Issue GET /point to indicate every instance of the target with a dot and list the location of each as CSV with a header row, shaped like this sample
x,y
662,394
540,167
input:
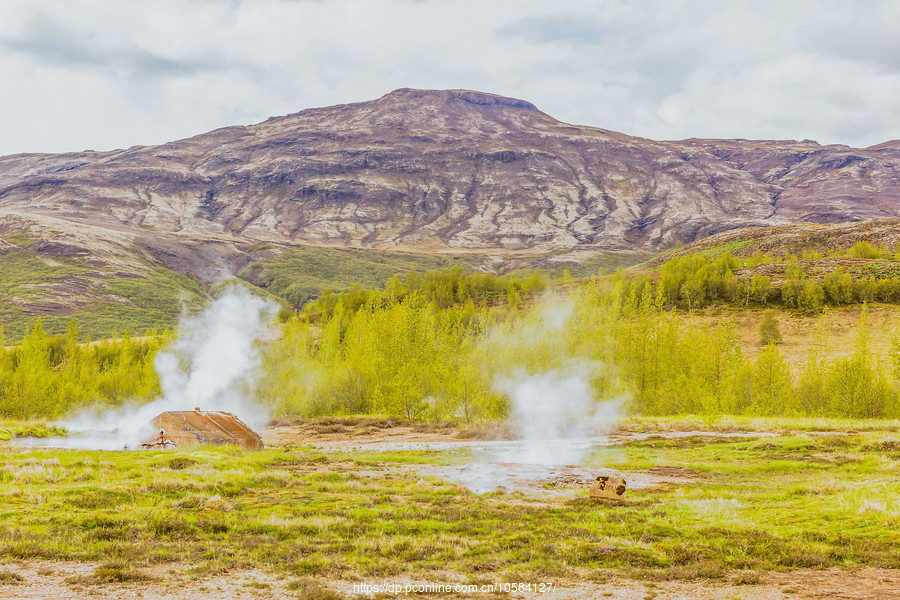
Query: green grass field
x,y
800,499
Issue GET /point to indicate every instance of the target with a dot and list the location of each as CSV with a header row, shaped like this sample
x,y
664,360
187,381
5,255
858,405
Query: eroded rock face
x,y
449,170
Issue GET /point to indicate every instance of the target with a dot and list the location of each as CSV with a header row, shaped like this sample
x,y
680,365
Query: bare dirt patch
x,y
60,581
679,472
864,584
75,581
358,435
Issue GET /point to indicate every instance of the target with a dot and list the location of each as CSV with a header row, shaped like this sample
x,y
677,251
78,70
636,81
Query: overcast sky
x,y
105,74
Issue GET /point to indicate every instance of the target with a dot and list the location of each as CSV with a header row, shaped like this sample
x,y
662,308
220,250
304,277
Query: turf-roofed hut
x,y
177,429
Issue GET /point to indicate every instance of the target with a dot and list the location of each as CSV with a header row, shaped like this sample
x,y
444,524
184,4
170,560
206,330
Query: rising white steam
x,y
213,366
214,363
554,413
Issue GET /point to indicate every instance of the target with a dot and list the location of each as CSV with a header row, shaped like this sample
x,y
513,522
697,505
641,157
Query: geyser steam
x,y
213,365
214,362
555,414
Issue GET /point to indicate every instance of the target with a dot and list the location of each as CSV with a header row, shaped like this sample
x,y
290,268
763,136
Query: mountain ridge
x,y
428,172
416,117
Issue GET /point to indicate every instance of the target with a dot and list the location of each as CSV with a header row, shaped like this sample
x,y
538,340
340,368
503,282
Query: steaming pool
x,y
550,467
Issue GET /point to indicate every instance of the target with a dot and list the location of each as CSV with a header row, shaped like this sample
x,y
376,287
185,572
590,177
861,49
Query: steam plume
x,y
213,365
551,412
554,412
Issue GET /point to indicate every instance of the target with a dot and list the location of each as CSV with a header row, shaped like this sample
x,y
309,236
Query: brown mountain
x,y
429,172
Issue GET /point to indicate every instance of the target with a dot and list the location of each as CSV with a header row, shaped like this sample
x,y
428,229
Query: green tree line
x,y
698,280
445,288
410,356
47,377
431,346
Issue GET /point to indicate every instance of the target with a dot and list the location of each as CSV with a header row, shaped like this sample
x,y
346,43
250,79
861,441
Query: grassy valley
x,y
440,343
754,460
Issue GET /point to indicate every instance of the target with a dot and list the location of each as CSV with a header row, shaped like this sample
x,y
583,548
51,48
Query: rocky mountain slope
x,y
794,239
426,172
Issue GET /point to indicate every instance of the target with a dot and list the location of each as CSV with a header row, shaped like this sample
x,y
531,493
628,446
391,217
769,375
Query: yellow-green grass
x,y
800,332
39,429
21,275
755,424
791,501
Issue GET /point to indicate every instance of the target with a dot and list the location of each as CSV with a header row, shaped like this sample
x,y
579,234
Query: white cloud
x,y
103,74
795,96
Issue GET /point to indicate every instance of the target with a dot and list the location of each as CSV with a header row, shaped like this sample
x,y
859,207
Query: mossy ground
x,y
301,273
802,499
104,303
23,279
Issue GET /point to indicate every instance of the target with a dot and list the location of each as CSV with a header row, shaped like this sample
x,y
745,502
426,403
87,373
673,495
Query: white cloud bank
x,y
103,74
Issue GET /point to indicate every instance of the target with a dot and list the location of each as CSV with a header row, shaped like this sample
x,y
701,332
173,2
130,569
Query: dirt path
x,y
71,581
407,439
